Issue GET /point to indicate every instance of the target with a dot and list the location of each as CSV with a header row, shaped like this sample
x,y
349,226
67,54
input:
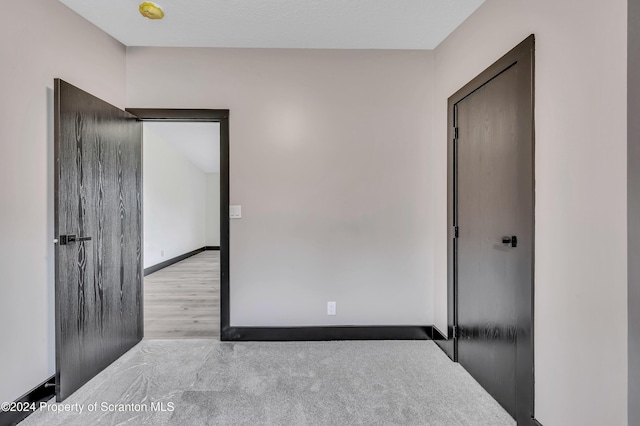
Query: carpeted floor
x,y
207,382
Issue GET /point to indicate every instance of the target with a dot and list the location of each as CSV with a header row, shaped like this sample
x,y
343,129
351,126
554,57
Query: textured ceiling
x,y
197,142
323,24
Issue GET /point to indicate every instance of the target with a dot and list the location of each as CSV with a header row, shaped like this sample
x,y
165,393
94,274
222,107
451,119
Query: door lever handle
x,y
513,240
68,239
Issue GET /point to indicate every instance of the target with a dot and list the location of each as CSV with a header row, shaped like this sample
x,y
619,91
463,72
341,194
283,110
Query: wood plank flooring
x,y
182,301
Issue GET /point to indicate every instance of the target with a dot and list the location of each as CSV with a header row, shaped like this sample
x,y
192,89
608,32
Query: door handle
x,y
513,240
68,239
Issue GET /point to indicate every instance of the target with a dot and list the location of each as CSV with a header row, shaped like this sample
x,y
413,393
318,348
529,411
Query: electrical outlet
x,y
331,308
161,253
235,212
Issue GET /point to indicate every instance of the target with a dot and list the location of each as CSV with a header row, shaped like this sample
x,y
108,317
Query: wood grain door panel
x,y
98,153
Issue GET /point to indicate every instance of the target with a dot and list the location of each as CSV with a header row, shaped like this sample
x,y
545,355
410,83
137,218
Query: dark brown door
x,y
98,224
494,163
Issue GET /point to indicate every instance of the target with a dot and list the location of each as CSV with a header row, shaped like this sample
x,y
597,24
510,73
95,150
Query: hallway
x,y
182,301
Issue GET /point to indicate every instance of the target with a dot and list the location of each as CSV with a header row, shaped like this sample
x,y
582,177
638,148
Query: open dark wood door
x,y
98,224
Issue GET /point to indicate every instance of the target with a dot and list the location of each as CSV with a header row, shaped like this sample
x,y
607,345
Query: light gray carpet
x,y
297,383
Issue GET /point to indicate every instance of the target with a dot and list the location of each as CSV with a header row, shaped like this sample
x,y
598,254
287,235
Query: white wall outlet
x,y
331,308
235,212
161,253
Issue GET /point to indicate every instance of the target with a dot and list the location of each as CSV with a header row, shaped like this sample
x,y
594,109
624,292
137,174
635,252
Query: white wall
x,y
174,201
580,270
329,162
39,40
212,209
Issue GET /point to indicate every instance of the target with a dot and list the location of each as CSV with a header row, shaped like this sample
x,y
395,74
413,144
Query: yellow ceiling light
x,y
151,10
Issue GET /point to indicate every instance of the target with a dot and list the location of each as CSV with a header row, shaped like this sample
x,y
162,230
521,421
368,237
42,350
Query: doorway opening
x,y
186,222
181,216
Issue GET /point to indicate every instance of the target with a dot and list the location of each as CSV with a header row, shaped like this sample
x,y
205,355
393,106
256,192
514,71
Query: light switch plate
x,y
235,212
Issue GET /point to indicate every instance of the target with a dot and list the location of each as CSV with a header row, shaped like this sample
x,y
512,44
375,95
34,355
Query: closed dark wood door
x,y
98,224
494,159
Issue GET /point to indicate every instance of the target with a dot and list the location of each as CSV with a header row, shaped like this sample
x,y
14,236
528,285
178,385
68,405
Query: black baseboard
x,y
156,268
291,334
436,334
443,343
212,248
447,347
41,393
534,422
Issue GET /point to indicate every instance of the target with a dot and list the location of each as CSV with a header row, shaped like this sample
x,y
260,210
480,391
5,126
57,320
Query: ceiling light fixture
x,y
151,10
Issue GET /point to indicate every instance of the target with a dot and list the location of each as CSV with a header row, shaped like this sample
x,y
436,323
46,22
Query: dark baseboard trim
x,y
534,422
156,268
447,347
41,393
212,248
437,334
293,334
444,343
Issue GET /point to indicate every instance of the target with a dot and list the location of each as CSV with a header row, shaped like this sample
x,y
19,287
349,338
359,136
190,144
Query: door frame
x,y
215,116
523,54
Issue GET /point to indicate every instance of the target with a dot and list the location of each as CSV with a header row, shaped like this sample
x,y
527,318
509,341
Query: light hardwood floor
x,y
182,301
